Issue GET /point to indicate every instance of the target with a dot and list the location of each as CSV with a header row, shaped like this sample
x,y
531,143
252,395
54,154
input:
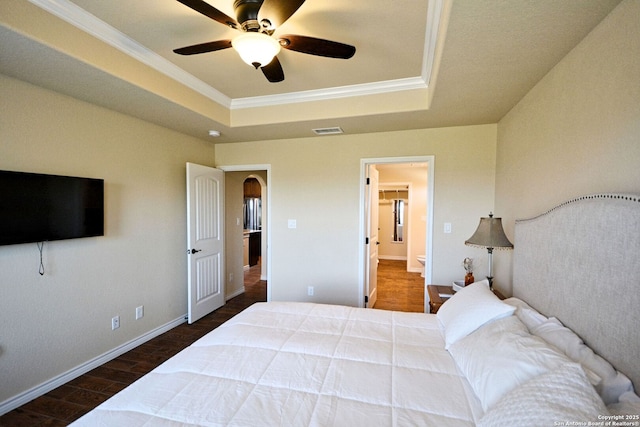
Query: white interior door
x,y
373,238
205,240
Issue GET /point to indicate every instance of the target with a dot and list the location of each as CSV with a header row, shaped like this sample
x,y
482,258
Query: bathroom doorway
x,y
403,206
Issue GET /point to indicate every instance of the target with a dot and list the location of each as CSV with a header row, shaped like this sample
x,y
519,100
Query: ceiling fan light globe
x,y
256,48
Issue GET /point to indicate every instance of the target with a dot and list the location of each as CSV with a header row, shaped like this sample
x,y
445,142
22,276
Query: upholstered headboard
x,y
580,262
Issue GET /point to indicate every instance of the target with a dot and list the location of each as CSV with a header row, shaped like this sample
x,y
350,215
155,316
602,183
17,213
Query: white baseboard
x,y
37,391
393,257
235,294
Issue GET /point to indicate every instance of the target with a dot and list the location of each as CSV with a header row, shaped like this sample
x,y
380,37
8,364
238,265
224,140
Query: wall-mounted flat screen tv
x,y
38,208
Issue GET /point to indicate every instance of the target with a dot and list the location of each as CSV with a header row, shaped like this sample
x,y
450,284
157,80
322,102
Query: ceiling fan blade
x,y
319,47
278,11
273,71
207,10
203,47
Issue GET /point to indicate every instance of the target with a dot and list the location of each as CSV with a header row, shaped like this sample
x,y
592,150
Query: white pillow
x,y
609,383
468,309
561,395
500,356
629,404
527,314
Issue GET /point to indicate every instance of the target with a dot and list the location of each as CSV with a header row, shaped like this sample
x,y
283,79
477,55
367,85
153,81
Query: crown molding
x,y
329,93
80,18
88,23
434,17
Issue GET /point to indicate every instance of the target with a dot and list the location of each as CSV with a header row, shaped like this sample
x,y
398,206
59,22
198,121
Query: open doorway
x,y
247,233
402,208
252,229
396,215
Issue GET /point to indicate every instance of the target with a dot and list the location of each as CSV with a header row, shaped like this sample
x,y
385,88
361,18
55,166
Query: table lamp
x,y
490,235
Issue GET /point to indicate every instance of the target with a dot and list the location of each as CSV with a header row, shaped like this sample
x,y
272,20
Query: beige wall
x,y
316,182
53,323
577,131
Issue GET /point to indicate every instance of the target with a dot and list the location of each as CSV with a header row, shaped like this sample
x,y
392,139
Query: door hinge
x,y
368,181
366,241
366,299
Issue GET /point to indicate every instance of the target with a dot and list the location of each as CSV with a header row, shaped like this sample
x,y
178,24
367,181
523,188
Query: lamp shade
x,y
256,49
489,234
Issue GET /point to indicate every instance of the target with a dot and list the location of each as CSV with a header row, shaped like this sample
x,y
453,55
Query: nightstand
x,y
439,294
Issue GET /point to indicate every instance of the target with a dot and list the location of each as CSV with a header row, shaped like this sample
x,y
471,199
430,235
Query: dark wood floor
x,y
397,290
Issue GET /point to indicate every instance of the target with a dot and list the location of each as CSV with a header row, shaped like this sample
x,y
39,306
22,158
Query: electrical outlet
x,y
139,312
310,291
230,277
115,323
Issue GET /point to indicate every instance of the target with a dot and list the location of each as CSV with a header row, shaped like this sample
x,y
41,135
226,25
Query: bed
x,y
541,357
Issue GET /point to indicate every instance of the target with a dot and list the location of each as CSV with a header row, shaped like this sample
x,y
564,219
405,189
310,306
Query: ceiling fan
x,y
258,20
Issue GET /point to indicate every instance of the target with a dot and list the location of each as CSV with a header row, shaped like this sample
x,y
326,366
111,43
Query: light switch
x,y
292,223
447,227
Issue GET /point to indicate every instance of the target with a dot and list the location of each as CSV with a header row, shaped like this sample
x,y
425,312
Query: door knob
x,y
193,251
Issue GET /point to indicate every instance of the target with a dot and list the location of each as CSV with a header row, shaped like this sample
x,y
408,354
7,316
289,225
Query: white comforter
x,y
303,364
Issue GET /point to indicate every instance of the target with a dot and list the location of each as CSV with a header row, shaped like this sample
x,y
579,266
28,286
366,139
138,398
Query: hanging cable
x,y
40,247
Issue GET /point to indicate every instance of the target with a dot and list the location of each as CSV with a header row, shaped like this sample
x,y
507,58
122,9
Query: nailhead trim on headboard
x,y
627,197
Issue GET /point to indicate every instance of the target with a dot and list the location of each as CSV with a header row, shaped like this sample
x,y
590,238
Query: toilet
x,y
421,261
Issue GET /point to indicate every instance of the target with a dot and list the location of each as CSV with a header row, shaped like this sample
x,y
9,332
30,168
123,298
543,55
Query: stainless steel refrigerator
x,y
252,213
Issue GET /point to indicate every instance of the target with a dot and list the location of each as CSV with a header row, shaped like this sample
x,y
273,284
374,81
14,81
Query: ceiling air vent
x,y
328,131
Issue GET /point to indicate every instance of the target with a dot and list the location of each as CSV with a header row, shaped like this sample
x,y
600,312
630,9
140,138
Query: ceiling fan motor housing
x,y
247,15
